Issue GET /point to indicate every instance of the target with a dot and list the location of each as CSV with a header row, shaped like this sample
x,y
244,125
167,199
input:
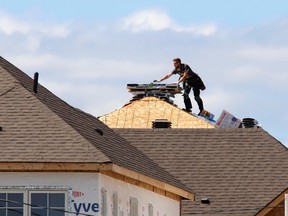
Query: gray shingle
x,y
239,170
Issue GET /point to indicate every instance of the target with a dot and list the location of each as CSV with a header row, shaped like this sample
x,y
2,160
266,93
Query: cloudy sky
x,y
87,51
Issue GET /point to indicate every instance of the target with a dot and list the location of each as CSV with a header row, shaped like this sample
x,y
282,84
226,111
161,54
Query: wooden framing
x,y
52,167
108,169
272,204
158,186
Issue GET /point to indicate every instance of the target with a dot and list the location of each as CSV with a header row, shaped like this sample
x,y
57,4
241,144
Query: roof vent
x,y
1,129
99,131
249,123
205,201
35,85
161,123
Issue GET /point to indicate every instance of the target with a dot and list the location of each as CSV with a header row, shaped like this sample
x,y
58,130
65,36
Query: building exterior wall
x,y
84,194
147,200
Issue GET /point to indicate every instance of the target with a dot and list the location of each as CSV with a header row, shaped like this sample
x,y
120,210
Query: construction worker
x,y
190,80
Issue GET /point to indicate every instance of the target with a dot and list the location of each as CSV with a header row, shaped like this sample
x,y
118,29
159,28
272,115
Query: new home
x,y
57,160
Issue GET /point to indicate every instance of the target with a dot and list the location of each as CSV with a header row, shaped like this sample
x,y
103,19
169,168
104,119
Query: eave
x,y
107,169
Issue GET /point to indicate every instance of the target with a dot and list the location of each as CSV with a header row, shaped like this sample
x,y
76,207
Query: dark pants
x,y
196,90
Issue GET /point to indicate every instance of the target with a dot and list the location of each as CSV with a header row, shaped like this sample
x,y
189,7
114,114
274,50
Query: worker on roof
x,y
190,80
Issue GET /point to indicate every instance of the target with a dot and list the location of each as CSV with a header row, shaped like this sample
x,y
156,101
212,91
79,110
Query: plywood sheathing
x,y
141,113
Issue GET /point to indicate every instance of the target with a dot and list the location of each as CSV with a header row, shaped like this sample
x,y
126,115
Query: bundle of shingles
x,y
162,91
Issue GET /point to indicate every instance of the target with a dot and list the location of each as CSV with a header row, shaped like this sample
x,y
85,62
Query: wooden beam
x,y
141,184
272,204
154,182
109,169
53,167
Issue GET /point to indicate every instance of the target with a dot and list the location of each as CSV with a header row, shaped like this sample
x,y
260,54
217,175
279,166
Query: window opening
x,y
47,204
11,204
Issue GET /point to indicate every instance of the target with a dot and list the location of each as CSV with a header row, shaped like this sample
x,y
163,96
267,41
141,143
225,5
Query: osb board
x,y
141,113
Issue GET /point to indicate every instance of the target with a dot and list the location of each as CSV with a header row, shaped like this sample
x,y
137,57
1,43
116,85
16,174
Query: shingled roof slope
x,y
240,170
43,128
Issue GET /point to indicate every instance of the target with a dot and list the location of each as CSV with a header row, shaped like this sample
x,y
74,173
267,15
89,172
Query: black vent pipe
x,y
35,86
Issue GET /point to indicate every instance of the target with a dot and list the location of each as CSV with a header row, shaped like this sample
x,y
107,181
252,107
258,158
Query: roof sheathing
x,y
141,113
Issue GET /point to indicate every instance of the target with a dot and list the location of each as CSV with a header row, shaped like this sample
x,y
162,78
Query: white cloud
x,y
265,54
38,60
84,67
10,25
155,20
266,64
147,20
31,33
242,72
201,30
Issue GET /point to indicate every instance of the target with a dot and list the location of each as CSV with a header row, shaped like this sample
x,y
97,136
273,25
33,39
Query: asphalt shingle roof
x,y
43,128
240,170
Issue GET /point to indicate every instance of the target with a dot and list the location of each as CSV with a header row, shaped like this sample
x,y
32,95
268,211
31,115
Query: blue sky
x,y
88,51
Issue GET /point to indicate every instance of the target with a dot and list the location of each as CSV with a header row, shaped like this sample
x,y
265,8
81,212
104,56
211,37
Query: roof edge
x,y
154,182
109,169
266,209
53,167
